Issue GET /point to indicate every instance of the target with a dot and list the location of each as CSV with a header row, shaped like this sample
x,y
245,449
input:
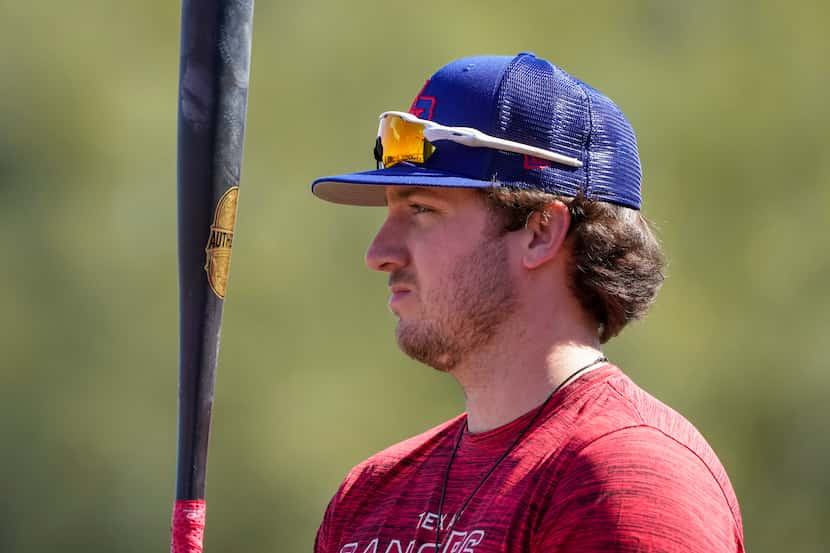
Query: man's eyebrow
x,y
407,193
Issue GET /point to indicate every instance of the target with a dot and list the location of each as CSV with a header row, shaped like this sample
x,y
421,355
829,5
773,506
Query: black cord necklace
x,y
501,458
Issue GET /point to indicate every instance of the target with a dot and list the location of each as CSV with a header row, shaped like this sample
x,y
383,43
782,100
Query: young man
x,y
515,248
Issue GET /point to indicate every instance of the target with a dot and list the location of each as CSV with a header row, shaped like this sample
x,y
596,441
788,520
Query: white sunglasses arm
x,y
477,139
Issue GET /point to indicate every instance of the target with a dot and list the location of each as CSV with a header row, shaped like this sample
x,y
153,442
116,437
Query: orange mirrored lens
x,y
403,141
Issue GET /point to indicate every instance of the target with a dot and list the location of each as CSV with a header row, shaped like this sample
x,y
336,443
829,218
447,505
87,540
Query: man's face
x,y
449,273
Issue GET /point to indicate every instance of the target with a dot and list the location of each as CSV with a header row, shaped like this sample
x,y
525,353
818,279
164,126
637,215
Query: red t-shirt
x,y
605,468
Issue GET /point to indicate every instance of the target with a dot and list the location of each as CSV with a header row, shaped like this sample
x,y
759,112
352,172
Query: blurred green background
x,y
729,100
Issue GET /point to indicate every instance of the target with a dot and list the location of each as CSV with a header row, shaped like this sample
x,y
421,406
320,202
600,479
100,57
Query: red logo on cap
x,y
423,106
531,162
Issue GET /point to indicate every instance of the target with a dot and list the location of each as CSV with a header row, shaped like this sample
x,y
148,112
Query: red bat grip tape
x,y
188,526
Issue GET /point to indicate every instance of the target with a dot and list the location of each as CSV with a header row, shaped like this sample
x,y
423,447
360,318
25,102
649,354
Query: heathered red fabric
x,y
606,468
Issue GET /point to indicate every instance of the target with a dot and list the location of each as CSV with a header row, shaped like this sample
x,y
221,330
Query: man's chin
x,y
425,345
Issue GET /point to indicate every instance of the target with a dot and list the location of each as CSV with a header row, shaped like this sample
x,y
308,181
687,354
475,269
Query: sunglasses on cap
x,y
402,137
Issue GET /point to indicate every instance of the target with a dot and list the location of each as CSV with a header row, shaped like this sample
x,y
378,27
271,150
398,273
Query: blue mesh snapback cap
x,y
524,99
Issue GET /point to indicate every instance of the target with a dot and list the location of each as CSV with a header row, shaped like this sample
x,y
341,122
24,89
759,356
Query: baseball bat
x,y
214,69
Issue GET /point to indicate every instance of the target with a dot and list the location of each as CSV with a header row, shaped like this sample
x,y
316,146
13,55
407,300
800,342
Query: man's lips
x,y
398,293
401,285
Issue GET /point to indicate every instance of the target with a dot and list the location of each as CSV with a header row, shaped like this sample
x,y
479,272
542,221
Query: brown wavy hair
x,y
618,264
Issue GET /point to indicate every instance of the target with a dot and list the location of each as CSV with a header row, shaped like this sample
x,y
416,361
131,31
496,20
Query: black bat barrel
x,y
213,89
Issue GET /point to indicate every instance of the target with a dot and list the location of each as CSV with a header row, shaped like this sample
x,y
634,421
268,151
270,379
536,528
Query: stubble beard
x,y
465,312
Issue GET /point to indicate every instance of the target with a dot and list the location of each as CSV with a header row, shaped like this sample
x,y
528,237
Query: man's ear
x,y
545,234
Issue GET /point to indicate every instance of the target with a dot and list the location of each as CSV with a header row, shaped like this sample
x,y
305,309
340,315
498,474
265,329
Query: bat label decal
x,y
218,250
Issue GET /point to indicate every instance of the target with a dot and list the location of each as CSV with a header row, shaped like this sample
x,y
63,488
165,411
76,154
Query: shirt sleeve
x,y
340,506
637,490
321,541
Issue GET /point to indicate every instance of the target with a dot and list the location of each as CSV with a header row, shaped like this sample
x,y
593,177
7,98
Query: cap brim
x,y
367,188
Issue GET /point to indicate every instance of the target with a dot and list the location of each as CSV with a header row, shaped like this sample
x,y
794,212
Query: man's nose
x,y
387,251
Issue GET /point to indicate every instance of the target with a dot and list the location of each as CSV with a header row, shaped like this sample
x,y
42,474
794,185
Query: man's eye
x,y
418,208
